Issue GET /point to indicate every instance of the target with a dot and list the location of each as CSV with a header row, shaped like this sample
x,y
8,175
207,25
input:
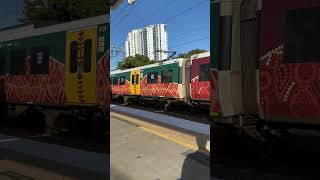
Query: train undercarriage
x,y
93,121
165,102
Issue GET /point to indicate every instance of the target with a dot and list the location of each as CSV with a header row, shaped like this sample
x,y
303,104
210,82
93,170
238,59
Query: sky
x,y
188,31
9,10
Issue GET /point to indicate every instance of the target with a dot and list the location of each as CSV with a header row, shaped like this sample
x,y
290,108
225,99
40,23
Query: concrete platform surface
x,y
170,120
60,159
137,154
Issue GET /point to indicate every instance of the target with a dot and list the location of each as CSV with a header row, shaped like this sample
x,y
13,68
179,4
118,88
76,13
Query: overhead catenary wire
x,y
191,41
186,10
136,4
181,13
170,2
171,18
127,5
182,36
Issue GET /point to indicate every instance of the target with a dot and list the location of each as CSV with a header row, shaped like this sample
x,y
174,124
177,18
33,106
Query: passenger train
x,y
63,66
182,80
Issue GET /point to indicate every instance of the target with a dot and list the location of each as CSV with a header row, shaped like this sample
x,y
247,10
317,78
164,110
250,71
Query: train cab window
x,y
132,79
87,55
137,78
302,35
17,61
40,60
2,62
122,81
204,72
166,76
73,56
152,77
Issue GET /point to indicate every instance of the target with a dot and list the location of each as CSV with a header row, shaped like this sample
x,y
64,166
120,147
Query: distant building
x,y
147,41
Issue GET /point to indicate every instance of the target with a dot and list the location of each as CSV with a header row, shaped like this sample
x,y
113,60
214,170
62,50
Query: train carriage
x,y
289,61
120,82
267,62
166,81
63,65
200,77
159,80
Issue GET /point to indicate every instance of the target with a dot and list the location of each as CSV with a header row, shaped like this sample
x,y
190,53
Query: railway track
x,y
289,157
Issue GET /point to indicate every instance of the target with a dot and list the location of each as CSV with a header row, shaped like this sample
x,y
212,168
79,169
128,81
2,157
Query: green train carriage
x,y
60,66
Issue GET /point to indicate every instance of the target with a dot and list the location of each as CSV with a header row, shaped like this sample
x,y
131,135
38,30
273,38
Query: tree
x,y
60,11
138,60
190,53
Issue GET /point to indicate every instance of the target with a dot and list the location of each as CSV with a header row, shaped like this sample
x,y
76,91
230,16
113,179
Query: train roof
x,y
23,31
149,66
200,55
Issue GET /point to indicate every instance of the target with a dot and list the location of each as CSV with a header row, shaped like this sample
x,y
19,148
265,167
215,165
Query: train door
x,y
81,66
135,82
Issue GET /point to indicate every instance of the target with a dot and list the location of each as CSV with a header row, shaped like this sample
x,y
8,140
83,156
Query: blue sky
x,y
9,10
188,31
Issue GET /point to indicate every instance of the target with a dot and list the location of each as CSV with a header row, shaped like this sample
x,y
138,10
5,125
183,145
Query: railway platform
x,y
27,159
147,145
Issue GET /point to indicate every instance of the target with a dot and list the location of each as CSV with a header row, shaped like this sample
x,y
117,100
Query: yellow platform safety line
x,y
155,129
195,148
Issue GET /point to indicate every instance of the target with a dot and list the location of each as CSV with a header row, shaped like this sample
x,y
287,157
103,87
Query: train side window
x,y
166,76
132,79
73,56
302,35
204,72
17,61
115,80
87,55
152,77
2,62
40,60
122,81
137,78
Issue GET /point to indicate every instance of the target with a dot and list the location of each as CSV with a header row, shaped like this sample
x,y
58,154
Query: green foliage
x,y
136,61
190,53
59,11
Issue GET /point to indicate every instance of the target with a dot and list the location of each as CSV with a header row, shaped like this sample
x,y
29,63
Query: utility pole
x,y
163,51
116,51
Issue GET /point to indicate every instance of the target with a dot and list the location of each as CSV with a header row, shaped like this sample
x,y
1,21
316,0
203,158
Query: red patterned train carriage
x,y
200,78
268,62
289,61
60,66
173,80
168,80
